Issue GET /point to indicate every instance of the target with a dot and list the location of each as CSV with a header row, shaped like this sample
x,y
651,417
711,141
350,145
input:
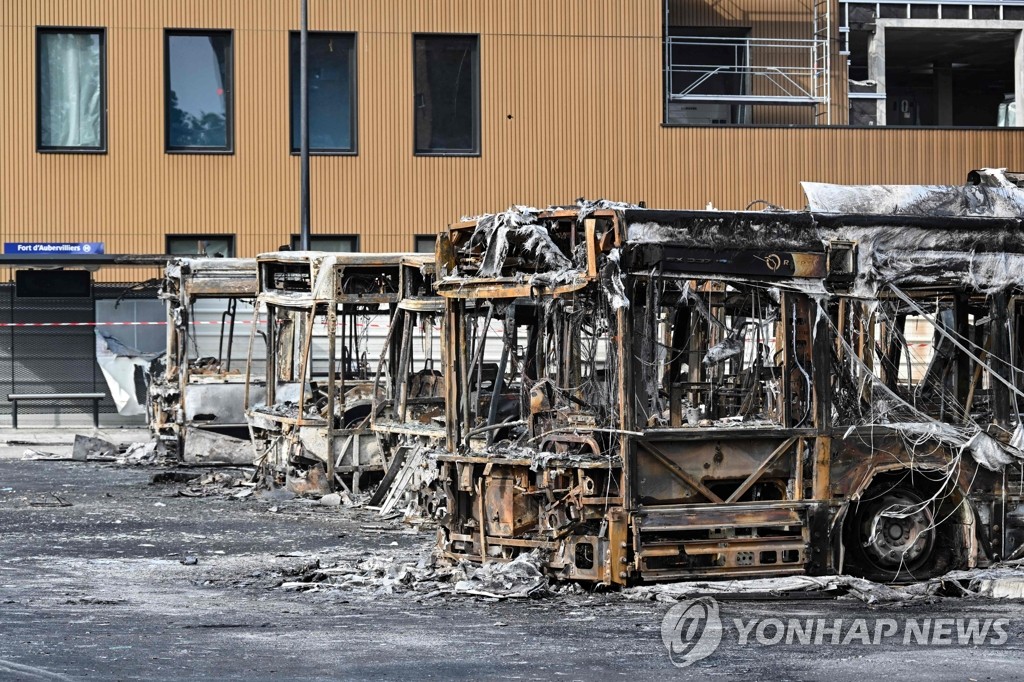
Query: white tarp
x,y
121,367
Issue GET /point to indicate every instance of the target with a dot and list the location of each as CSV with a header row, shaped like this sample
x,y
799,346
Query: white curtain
x,y
71,102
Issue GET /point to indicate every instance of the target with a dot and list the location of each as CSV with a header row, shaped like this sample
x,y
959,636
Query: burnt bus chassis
x,y
616,502
349,292
181,399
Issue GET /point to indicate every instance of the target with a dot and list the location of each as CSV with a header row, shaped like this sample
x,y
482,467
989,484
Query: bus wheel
x,y
895,533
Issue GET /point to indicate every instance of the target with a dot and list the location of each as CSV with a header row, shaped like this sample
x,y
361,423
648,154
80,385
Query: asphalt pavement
x,y
107,575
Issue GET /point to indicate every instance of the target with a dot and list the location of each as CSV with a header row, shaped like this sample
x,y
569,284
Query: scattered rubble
x,y
524,577
1000,581
57,501
88,447
42,455
234,484
426,578
93,449
138,454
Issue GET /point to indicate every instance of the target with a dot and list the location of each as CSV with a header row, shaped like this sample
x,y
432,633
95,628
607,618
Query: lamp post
x,y
304,128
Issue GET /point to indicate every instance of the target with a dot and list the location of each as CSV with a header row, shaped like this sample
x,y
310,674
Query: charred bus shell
x,y
684,394
196,400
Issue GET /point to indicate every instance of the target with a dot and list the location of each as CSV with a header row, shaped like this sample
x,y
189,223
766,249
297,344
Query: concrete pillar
x,y
876,69
1018,75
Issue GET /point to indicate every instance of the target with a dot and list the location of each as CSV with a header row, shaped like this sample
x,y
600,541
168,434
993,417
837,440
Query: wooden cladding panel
x,y
571,106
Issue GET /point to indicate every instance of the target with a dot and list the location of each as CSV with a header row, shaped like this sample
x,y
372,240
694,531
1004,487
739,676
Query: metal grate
x,y
48,359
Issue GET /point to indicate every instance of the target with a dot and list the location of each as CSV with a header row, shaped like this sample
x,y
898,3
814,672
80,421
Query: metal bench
x,y
14,398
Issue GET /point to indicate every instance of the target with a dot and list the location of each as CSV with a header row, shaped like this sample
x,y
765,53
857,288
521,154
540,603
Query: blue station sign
x,y
53,248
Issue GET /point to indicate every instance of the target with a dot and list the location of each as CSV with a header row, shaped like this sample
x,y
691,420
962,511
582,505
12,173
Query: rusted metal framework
x,y
196,400
312,430
408,408
689,394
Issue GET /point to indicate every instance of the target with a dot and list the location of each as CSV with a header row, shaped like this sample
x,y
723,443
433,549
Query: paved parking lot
x,y
93,586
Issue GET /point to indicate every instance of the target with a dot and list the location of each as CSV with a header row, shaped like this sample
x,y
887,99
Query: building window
x,y
198,89
941,72
921,64
211,245
340,243
424,243
447,94
71,89
332,92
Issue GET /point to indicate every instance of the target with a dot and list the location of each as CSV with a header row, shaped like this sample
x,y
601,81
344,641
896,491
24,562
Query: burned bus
x,y
195,401
324,316
684,394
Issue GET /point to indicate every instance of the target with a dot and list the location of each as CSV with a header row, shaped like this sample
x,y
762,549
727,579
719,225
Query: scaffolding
x,y
746,71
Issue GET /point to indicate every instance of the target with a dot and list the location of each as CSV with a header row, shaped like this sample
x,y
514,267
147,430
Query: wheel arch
x,y
925,478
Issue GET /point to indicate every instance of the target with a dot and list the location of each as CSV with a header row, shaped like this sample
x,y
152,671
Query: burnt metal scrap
x,y
190,392
640,395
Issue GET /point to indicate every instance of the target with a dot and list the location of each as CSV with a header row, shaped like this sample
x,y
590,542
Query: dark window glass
x,y
52,283
71,97
447,97
341,243
213,245
424,243
198,91
331,92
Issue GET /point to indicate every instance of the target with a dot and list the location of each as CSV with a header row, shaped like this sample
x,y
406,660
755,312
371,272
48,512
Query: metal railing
x,y
760,71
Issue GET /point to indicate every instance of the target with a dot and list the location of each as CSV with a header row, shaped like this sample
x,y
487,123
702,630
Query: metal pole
x,y
304,129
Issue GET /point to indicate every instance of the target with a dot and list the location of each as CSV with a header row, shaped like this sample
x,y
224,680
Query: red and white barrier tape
x,y
79,324
146,324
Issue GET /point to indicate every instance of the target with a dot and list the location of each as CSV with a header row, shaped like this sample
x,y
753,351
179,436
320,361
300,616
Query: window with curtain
x,y
332,92
446,78
70,96
198,87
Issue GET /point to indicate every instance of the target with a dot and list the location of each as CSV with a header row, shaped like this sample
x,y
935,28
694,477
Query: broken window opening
x,y
705,63
535,368
711,352
927,64
903,360
763,73
213,246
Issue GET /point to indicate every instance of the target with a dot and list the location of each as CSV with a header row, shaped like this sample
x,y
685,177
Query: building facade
x,y
169,126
